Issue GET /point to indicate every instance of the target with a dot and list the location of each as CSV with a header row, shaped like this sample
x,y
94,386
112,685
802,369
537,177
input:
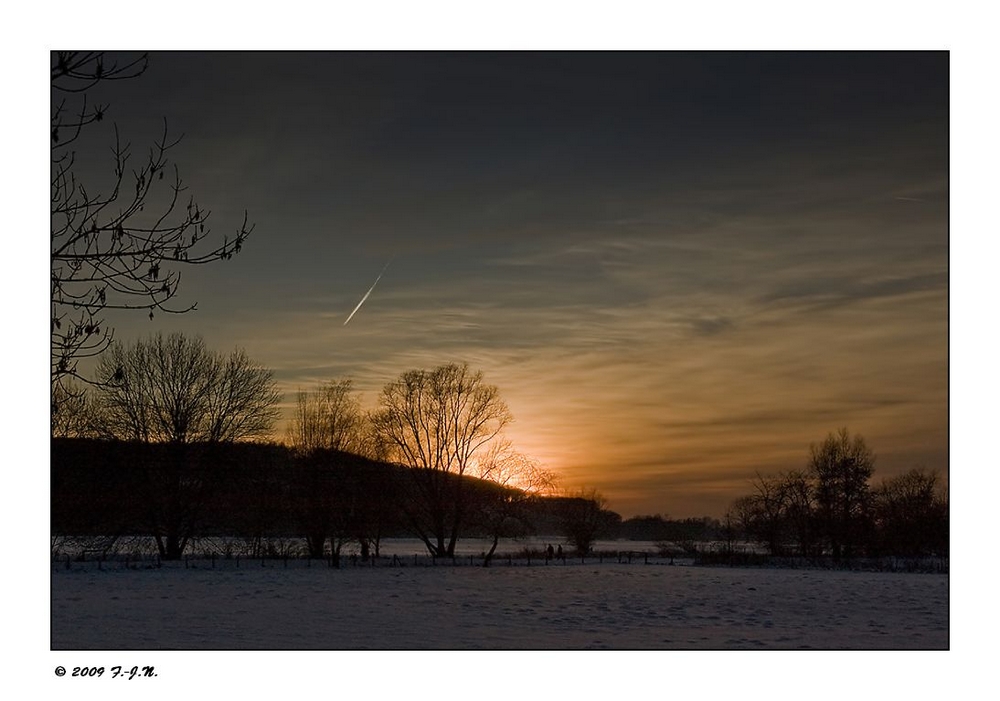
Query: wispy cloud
x,y
665,314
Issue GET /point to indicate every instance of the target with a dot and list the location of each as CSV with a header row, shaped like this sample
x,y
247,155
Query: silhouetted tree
x,y
503,511
329,423
780,512
329,417
257,500
911,514
741,515
79,414
327,496
377,505
314,485
769,503
434,422
172,391
117,245
585,519
841,467
341,498
731,530
800,510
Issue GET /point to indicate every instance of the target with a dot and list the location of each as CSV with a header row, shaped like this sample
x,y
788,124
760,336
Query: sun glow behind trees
x,y
664,323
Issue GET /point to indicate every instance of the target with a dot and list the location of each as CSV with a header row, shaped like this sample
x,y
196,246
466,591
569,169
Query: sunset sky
x,y
680,269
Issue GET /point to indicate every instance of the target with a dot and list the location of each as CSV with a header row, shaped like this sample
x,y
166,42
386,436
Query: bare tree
x,y
329,417
732,526
344,498
781,512
768,503
841,467
516,480
172,389
118,246
435,422
172,392
79,414
911,514
799,492
741,515
584,519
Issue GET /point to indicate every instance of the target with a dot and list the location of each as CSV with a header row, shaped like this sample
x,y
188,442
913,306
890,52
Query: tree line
x,y
176,413
185,432
256,494
833,508
174,441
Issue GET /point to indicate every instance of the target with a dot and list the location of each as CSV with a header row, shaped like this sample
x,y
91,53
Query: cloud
x,y
664,315
820,294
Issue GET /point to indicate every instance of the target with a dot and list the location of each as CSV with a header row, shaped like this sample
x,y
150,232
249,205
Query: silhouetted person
x,y
559,553
549,552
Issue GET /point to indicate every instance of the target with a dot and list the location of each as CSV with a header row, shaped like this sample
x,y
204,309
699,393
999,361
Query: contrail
x,y
367,293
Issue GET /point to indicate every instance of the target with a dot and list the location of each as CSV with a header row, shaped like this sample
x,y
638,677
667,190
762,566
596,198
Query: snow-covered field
x,y
558,606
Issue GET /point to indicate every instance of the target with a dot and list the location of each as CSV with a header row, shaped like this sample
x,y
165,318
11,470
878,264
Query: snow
x,y
542,607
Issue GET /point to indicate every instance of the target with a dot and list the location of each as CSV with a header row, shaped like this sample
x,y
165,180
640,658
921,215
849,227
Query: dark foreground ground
x,y
609,605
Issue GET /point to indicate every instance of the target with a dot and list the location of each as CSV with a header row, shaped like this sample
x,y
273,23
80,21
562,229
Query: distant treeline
x,y
663,529
833,508
327,499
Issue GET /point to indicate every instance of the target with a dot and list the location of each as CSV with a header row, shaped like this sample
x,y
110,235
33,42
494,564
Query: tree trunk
x,y
314,543
493,549
174,547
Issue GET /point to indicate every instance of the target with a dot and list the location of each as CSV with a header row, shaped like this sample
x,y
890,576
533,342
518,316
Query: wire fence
x,y
226,553
83,562
139,561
